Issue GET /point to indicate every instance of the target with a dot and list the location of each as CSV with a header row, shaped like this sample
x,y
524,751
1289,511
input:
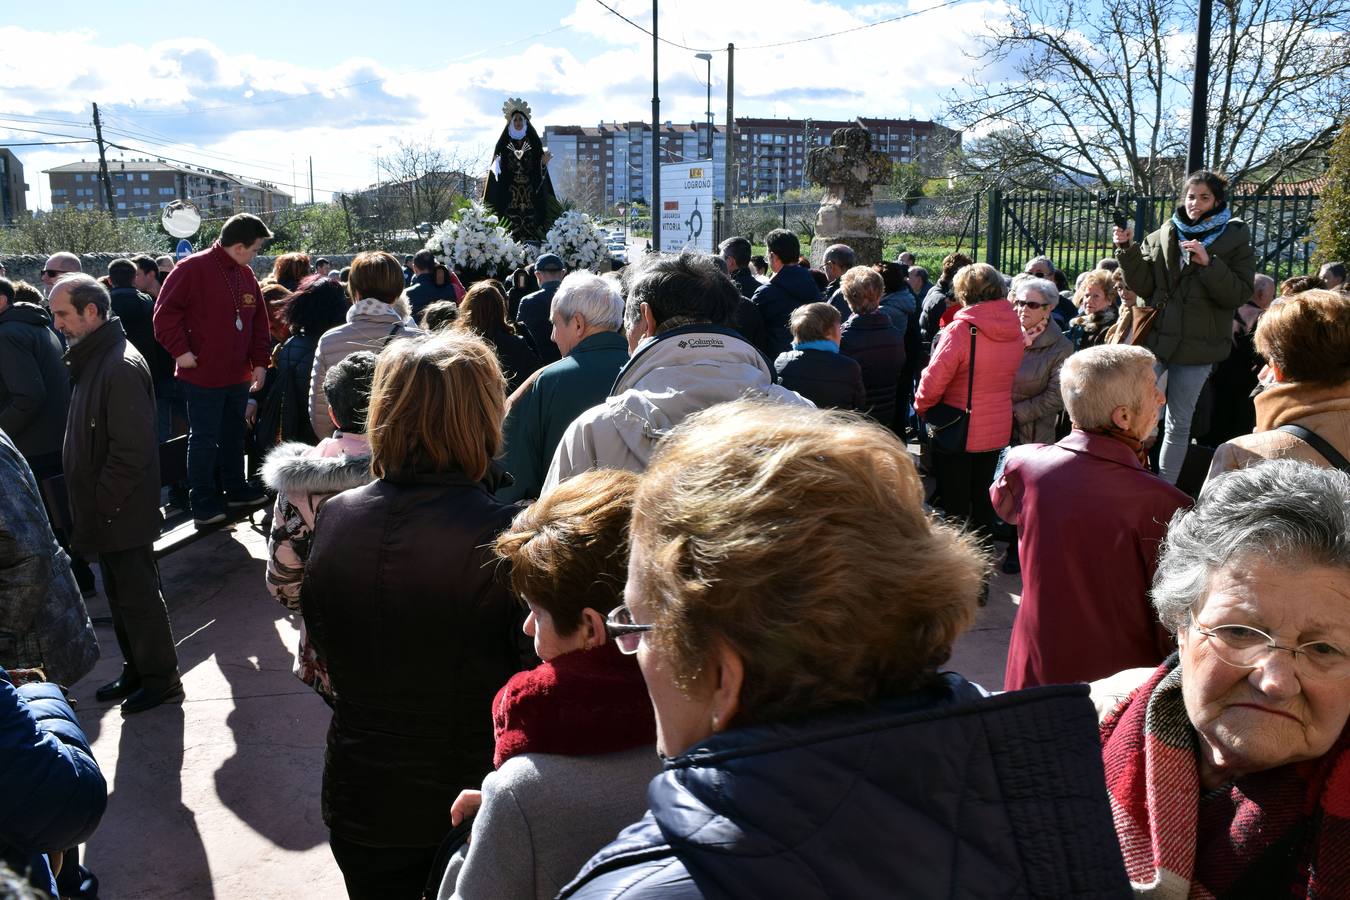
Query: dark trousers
x,y
215,441
49,466
963,481
168,404
140,618
382,873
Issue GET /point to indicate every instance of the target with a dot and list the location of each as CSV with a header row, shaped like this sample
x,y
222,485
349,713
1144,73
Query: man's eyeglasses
x,y
621,628
1029,304
1244,647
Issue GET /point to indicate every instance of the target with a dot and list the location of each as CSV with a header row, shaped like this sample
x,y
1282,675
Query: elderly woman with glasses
x,y
574,735
1229,768
813,747
1036,398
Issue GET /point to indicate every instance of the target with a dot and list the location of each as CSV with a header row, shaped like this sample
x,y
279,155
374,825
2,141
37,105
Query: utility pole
x,y
729,151
656,140
311,179
1195,159
103,164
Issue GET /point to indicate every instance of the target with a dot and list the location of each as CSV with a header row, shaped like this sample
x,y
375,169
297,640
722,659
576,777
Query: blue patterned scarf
x,y
1207,230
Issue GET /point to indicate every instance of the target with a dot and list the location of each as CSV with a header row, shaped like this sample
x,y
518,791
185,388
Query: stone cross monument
x,y
848,169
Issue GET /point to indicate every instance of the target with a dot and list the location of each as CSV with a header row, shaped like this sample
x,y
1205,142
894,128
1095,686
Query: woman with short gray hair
x,y
1229,768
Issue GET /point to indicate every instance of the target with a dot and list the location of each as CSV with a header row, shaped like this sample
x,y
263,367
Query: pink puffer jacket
x,y
998,353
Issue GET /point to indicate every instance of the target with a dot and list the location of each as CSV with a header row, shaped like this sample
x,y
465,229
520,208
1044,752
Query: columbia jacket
x,y
669,378
940,793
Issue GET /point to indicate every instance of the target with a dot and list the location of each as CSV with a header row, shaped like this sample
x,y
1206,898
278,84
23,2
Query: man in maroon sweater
x,y
1090,519
210,317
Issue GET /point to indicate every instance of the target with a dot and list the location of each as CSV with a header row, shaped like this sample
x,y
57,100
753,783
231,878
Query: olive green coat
x,y
1195,326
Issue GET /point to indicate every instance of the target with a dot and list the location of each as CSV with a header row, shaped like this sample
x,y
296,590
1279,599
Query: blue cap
x,y
549,262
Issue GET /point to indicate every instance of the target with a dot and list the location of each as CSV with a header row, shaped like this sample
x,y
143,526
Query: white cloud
x,y
261,111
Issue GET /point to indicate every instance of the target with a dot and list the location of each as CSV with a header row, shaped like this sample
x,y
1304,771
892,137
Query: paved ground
x,y
220,797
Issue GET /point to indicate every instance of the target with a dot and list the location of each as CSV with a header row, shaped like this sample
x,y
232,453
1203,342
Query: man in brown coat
x,y
111,463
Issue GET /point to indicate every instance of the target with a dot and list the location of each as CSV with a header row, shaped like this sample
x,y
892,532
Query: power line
x,y
45,143
817,37
197,165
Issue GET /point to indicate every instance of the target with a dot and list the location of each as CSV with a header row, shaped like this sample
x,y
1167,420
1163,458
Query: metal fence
x,y
1074,229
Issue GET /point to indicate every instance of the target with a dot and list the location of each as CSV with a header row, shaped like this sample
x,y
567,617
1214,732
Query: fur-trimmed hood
x,y
296,468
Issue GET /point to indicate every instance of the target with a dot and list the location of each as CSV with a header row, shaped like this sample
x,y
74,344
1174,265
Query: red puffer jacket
x,y
998,353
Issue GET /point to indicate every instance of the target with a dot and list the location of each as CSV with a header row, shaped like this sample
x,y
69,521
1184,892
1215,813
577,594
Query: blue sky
x,y
262,87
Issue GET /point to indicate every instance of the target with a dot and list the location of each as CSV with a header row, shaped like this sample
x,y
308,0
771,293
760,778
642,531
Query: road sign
x,y
687,206
184,249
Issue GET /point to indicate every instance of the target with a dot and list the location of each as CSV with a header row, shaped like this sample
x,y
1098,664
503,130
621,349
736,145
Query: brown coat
x,y
1321,408
111,453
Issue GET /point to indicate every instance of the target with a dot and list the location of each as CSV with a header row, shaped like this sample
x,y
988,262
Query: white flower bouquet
x,y
477,245
575,238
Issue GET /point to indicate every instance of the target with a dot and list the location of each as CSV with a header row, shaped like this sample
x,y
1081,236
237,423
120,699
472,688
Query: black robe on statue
x,y
520,192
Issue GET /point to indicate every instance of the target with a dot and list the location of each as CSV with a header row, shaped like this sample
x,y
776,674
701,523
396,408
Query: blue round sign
x,y
184,249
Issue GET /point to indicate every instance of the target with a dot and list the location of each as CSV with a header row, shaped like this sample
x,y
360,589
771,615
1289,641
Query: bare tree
x,y
422,181
1100,94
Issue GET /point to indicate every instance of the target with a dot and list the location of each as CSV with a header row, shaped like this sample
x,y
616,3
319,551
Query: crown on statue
x,y
515,105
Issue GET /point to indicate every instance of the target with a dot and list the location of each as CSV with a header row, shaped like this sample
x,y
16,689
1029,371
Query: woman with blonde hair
x,y
1096,298
483,312
791,605
404,601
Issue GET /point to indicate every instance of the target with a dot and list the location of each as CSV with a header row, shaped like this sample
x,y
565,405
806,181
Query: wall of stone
x,y
29,268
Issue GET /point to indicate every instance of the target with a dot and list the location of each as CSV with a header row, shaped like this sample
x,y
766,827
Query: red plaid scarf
x,y
1284,832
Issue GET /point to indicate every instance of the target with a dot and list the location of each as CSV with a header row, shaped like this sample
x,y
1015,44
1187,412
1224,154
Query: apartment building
x,y
142,187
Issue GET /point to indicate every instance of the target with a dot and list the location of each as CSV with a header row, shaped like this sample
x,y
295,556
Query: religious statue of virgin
x,y
518,188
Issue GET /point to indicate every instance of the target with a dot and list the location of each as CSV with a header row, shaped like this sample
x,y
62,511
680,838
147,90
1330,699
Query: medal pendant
x,y
238,323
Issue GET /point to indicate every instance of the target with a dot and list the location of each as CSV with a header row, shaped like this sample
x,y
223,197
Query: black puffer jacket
x,y
829,380
942,793
34,383
879,348
283,413
136,310
423,291
406,604
930,318
792,287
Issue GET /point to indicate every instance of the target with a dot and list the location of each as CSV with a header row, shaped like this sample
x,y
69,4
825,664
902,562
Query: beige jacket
x,y
1321,408
370,325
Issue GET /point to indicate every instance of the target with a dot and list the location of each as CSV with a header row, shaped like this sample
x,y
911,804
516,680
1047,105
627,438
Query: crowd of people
x,y
661,569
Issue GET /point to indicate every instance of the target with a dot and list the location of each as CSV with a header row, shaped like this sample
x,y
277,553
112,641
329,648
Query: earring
x,y
714,723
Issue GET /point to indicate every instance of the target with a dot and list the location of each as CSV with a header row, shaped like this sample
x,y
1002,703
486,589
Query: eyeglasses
x,y
1244,647
52,273
619,625
1027,304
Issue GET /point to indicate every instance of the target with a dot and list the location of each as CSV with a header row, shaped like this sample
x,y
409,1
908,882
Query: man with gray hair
x,y
588,321
839,258
111,464
1085,614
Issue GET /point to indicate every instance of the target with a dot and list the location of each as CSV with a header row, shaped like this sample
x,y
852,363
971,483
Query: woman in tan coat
x,y
1305,340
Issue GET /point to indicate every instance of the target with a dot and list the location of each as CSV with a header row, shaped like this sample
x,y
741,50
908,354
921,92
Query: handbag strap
x,y
1318,443
970,384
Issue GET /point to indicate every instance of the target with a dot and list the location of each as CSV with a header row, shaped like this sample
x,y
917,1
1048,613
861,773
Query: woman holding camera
x,y
1195,271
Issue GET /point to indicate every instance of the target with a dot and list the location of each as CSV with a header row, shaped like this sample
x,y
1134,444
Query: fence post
x,y
994,236
1140,222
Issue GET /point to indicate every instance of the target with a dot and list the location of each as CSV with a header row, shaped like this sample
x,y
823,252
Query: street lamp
x,y
707,57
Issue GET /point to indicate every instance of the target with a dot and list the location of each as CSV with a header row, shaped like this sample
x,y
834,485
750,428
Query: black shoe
x,y
208,517
1011,564
124,686
149,698
249,497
